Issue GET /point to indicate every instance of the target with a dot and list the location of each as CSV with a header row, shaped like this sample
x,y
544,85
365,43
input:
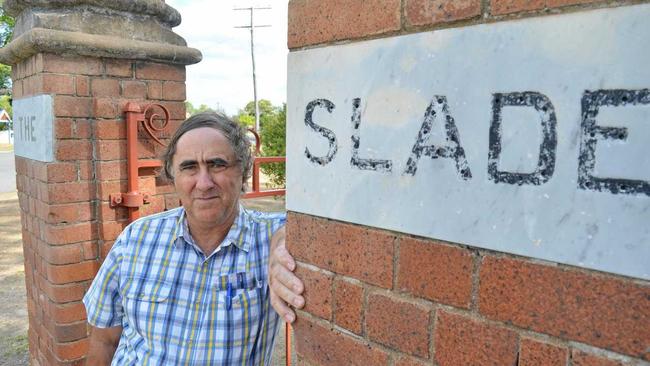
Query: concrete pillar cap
x,y
156,8
122,29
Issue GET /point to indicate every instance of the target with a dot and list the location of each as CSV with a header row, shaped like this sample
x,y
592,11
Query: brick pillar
x,y
381,295
91,59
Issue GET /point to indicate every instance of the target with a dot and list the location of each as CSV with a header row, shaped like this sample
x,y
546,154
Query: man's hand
x,y
103,343
286,288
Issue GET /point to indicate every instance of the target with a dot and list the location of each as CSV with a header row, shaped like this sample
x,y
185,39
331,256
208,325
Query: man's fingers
x,y
283,287
282,309
281,297
282,256
280,275
286,258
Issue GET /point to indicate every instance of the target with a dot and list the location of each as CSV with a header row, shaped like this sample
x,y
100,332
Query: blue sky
x,y
224,78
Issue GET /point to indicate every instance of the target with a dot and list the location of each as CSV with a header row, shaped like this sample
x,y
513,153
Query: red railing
x,y
259,160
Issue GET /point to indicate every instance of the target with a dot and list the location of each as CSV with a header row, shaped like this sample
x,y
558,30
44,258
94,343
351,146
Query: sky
x,y
223,79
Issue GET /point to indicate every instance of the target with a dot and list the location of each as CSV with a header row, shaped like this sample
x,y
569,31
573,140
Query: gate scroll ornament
x,y
135,115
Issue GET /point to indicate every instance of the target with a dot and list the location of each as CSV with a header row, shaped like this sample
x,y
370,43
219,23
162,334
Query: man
x,y
189,286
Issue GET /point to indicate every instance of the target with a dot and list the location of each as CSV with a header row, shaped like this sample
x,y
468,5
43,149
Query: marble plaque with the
x,y
33,128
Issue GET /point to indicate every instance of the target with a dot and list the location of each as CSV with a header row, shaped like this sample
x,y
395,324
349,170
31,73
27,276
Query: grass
x,y
16,346
4,147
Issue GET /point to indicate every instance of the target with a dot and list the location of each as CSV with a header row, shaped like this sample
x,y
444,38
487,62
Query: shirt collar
x,y
236,235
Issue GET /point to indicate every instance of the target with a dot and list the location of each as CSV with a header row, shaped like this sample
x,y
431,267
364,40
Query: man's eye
x,y
218,164
185,168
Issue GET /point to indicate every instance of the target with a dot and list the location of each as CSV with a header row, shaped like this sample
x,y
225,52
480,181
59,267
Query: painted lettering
x,y
453,149
356,161
327,133
591,133
547,149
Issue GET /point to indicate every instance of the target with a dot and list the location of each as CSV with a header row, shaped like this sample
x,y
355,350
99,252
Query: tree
x,y
268,111
273,135
191,110
7,24
272,132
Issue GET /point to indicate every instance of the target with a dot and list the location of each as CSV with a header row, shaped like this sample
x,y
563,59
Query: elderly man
x,y
189,286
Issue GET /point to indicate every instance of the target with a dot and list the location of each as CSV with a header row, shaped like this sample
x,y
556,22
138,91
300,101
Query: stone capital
x,y
126,29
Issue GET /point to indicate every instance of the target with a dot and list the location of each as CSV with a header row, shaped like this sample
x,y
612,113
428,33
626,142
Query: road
x,y
7,172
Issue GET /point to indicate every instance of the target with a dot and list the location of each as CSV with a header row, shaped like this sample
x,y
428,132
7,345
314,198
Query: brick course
x,y
322,345
431,12
435,271
461,341
536,353
318,297
362,253
398,324
314,21
348,304
599,310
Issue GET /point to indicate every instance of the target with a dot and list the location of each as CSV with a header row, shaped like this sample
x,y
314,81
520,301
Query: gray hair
x,y
232,131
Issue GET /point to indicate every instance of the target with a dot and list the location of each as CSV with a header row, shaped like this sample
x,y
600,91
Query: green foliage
x,y
268,112
265,107
245,120
5,77
191,110
273,135
7,24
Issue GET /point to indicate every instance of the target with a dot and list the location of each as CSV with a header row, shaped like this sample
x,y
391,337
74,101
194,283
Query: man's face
x,y
207,177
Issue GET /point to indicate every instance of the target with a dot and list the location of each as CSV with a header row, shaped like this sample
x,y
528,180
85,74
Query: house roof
x,y
4,116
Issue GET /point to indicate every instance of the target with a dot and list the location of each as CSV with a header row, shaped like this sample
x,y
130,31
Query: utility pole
x,y
252,27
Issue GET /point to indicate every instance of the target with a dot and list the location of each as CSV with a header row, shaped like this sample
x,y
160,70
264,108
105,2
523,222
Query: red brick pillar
x,y
84,63
381,295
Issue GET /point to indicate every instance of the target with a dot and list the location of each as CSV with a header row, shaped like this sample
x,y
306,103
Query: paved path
x,y
13,307
7,172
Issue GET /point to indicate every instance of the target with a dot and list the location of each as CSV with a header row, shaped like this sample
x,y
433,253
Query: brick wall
x,y
376,297
68,225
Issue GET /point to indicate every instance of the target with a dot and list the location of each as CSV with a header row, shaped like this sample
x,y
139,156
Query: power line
x,y
252,27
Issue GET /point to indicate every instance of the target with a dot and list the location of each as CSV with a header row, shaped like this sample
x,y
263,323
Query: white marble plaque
x,y
530,137
33,128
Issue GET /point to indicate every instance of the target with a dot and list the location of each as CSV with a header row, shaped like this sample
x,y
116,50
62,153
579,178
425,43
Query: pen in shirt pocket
x,y
237,281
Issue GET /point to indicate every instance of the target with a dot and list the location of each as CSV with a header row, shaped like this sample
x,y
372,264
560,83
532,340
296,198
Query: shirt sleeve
x,y
103,300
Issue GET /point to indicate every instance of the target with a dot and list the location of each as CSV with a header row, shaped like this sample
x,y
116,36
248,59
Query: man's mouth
x,y
206,198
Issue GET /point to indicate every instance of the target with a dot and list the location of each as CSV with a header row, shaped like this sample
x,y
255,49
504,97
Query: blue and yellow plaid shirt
x,y
179,307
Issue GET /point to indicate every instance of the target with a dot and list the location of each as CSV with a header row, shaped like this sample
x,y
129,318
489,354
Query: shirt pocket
x,y
242,321
245,290
144,298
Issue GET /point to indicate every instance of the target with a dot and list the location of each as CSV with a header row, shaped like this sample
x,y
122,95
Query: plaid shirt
x,y
178,307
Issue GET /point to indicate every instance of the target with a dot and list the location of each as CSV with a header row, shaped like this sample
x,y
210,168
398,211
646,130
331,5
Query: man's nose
x,y
204,180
